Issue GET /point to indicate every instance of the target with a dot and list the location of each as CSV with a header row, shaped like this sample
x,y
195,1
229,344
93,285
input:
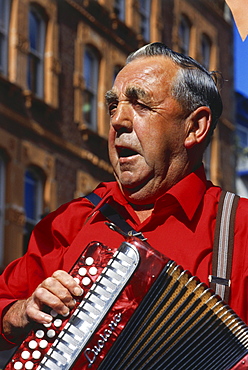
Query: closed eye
x,y
141,105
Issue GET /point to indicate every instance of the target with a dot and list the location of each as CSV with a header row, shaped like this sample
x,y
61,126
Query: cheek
x,y
111,146
153,140
111,138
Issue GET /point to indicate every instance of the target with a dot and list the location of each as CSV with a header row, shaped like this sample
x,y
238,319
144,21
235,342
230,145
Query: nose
x,y
122,119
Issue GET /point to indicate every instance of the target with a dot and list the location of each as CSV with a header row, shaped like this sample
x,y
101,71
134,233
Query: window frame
x,y
184,37
35,80
119,9
38,194
91,83
4,33
31,222
145,10
205,39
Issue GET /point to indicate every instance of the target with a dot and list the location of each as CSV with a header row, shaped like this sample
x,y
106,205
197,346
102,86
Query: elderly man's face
x,y
147,130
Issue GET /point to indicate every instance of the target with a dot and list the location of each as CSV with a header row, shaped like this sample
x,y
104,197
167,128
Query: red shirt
x,y
181,227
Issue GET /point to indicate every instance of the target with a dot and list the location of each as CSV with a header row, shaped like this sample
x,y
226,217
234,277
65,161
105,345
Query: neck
x,y
143,211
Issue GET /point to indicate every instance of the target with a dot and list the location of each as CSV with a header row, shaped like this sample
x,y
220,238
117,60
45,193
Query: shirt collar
x,y
188,192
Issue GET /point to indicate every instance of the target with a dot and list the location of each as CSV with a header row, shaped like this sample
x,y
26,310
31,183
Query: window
x,y
205,51
119,9
35,75
33,201
2,207
91,72
184,35
4,30
145,18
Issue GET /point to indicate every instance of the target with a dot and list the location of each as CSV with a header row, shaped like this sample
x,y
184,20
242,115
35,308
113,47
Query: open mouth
x,y
126,152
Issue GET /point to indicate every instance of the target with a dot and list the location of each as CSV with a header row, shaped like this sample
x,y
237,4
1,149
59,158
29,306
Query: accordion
x,y
139,310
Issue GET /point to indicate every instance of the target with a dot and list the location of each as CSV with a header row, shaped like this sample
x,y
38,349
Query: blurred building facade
x,y
57,60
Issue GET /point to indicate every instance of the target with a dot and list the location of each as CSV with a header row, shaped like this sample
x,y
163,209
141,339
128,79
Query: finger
x,y
53,294
67,281
34,313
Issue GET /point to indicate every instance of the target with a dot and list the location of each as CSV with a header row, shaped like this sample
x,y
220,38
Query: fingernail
x,y
78,291
66,313
47,318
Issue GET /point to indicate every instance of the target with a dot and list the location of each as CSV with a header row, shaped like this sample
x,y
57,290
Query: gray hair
x,y
194,86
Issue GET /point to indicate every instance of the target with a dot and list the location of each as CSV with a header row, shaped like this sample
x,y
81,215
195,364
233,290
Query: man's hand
x,y
56,292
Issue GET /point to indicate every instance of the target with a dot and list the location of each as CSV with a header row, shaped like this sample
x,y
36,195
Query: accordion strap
x,y
220,280
114,217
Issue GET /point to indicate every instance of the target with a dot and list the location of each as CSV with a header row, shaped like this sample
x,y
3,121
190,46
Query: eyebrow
x,y
132,93
110,96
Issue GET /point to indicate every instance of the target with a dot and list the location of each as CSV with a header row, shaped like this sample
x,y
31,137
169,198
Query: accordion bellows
x,y
140,311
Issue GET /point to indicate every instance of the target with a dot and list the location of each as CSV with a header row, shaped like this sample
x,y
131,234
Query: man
x,y
163,109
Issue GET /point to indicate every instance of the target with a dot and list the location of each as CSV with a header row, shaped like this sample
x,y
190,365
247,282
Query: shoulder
x,y
242,212
69,218
243,205
79,206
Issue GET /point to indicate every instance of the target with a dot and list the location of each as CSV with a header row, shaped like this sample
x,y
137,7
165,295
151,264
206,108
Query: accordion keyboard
x,y
56,346
91,310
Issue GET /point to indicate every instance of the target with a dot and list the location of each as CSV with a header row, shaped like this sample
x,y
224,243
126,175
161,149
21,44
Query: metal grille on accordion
x,y
139,310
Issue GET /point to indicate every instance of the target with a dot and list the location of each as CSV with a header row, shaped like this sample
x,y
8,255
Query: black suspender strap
x,y
220,280
113,216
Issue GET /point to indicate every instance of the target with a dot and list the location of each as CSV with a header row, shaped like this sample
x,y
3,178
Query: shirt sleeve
x,y
48,243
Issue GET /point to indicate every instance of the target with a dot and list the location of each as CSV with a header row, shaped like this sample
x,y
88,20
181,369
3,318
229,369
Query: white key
x,y
29,365
18,365
118,266
32,344
70,341
64,349
36,355
77,280
123,257
97,301
51,333
39,334
89,261
86,281
102,292
57,323
85,317
76,332
58,357
48,325
49,364
92,310
43,343
25,355
53,313
93,271
82,271
108,284
113,275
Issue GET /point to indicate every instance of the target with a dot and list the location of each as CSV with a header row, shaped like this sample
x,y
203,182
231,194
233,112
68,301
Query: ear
x,y
197,126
